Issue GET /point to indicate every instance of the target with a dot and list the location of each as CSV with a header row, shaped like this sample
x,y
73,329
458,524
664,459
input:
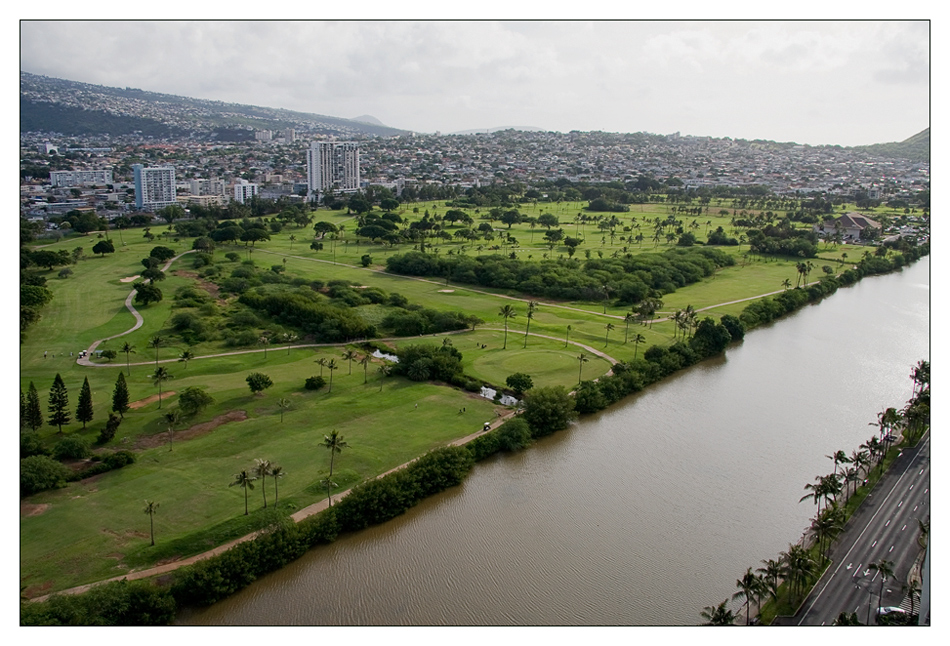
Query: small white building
x,y
244,191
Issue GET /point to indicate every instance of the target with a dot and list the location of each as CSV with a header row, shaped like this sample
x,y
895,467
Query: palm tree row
x,y
260,471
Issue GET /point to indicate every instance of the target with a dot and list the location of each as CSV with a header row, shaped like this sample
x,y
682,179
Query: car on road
x,y
889,610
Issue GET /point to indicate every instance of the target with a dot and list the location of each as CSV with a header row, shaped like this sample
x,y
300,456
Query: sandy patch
x,y
27,509
148,400
129,279
160,439
446,291
37,590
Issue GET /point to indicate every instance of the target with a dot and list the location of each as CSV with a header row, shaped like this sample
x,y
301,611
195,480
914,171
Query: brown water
x,y
641,515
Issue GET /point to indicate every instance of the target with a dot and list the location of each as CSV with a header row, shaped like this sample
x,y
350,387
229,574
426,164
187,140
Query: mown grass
x,y
95,529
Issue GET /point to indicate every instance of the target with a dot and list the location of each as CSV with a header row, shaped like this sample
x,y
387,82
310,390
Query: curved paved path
x,y
139,321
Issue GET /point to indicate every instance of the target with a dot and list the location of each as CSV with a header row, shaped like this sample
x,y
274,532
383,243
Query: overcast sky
x,y
847,83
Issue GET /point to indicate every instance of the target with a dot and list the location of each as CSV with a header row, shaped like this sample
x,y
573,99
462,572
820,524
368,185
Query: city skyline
x,y
832,82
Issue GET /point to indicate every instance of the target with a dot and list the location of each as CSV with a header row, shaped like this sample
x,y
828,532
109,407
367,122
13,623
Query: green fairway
x,y
96,528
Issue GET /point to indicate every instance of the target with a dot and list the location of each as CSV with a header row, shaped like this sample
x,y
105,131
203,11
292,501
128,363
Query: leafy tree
x,y
335,444
41,472
520,383
120,396
245,480
160,376
162,253
103,247
315,383
192,400
84,409
147,293
109,355
111,427
58,405
72,447
31,444
506,312
151,508
548,409
258,382
33,414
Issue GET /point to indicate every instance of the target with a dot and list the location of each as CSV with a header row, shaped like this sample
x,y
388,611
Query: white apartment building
x,y
333,165
65,178
154,187
244,191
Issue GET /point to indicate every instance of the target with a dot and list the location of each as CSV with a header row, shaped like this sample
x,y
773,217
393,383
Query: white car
x,y
889,610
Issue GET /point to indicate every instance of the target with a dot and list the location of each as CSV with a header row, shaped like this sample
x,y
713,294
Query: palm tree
x,y
628,319
507,312
913,590
825,525
771,573
851,474
750,588
838,457
261,471
243,479
920,373
322,362
581,360
128,349
276,472
161,376
637,340
292,239
331,366
156,342
349,355
185,357
289,337
798,567
568,335
532,306
365,361
786,284
334,442
886,570
283,404
264,341
608,327
150,509
383,371
172,417
718,615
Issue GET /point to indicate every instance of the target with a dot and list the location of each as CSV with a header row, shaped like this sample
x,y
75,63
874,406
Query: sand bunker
x,y
446,291
129,279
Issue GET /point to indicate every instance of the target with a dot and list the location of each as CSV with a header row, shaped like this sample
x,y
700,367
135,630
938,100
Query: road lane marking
x,y
921,472
874,543
887,523
890,550
915,507
904,527
900,503
912,486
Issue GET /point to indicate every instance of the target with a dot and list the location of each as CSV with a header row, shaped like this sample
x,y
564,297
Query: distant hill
x,y
57,105
916,148
369,119
479,131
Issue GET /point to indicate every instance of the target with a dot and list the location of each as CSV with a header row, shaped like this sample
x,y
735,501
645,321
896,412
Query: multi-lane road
x,y
885,528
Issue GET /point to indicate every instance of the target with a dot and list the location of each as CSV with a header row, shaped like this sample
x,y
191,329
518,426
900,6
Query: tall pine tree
x,y
58,404
120,396
34,414
84,409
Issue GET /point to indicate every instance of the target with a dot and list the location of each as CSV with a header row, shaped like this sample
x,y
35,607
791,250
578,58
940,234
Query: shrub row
x,y
120,603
